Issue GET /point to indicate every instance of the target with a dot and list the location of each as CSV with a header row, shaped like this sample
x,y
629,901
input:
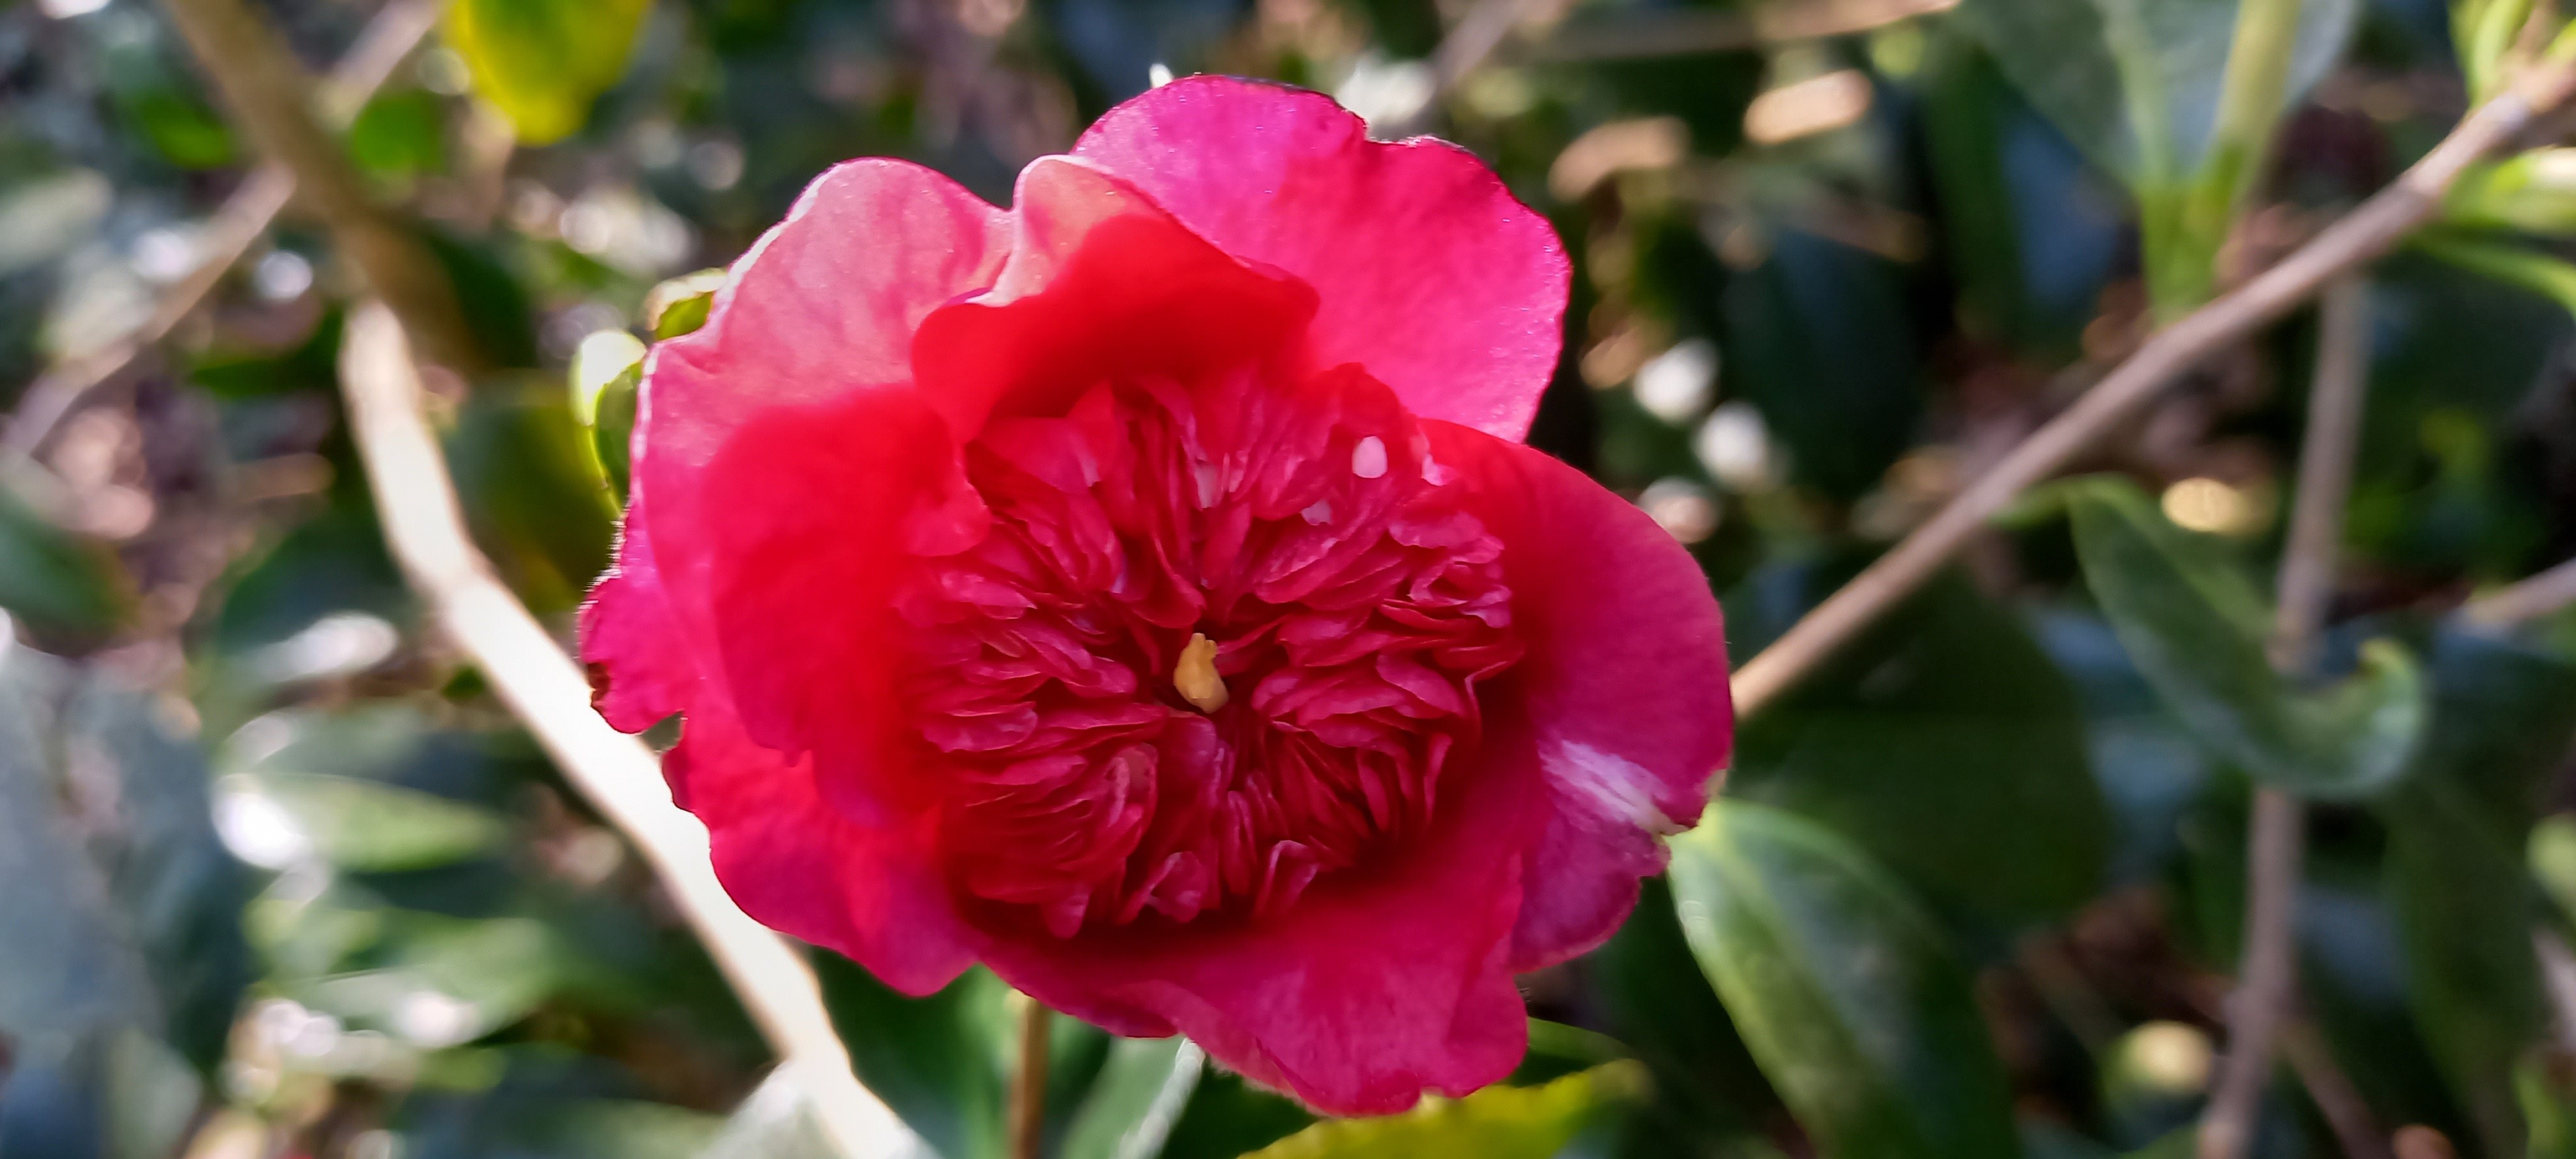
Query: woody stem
x,y
1029,1081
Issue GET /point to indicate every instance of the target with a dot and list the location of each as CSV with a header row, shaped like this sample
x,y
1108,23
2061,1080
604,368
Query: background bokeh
x,y
279,876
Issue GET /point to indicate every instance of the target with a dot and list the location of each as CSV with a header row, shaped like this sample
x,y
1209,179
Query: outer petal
x,y
793,862
800,865
1624,685
827,300
1429,273
1371,988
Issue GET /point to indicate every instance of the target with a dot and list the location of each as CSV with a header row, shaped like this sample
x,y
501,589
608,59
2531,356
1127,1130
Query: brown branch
x,y
1029,1082
425,530
2346,1113
229,234
2536,598
264,86
2369,231
2267,983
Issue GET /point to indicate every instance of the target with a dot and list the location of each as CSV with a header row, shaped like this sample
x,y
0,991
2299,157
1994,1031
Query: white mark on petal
x,y
1608,785
1368,460
1319,514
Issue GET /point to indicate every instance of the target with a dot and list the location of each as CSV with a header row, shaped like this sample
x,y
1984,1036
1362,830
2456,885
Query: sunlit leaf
x,y
679,306
940,1062
1494,1123
354,824
1843,988
542,62
2195,625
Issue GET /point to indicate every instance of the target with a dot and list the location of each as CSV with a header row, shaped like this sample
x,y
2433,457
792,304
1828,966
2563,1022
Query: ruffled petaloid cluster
x,y
1144,591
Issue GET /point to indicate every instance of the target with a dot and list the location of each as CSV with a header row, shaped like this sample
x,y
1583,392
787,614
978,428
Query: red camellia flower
x,y
1145,591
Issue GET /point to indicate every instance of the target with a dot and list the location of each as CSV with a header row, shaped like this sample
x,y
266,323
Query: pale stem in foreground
x,y
424,528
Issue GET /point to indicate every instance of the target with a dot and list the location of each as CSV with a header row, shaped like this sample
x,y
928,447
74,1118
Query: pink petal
x,y
1430,274
1377,984
794,863
827,300
1101,282
800,865
1624,685
817,513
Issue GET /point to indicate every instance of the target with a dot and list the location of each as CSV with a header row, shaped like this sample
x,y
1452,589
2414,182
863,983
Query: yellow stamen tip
x,y
1195,676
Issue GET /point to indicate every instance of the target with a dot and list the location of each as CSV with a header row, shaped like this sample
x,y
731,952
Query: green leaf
x,y
356,825
1843,988
53,580
542,62
2534,192
607,373
1494,1123
2135,83
1946,743
2195,626
2458,877
680,306
2544,1084
941,1062
2547,275
1139,1095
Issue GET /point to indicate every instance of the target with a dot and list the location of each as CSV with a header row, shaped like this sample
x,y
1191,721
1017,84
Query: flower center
x,y
1219,643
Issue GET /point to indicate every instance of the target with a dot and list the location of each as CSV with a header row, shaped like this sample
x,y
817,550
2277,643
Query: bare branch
x,y
229,234
2539,597
264,86
2369,231
424,528
2267,984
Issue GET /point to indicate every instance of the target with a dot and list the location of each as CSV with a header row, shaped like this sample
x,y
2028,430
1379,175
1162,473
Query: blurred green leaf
x,y
2521,266
1228,1117
941,1062
542,62
1946,743
1842,987
2195,625
357,825
2544,1085
2135,83
2534,191
2459,827
400,135
1139,1095
55,581
1495,1123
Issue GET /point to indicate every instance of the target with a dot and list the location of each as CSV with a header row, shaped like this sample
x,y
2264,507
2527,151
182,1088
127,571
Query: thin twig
x,y
424,528
2347,1114
2558,981
2267,983
2367,232
227,235
2539,597
264,85
1029,1082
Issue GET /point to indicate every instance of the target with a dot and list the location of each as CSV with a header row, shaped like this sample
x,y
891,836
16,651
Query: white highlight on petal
x,y
1319,514
1368,460
1608,785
